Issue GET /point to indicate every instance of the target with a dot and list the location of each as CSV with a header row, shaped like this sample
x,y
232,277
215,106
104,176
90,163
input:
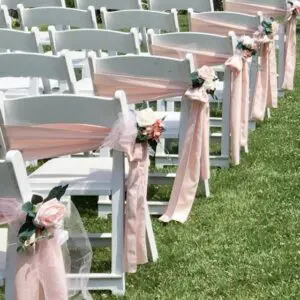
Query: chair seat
x,y
85,175
19,87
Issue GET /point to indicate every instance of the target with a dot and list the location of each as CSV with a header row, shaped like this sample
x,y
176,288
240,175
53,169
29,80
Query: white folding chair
x,y
36,66
206,43
251,22
93,39
280,40
142,19
5,20
85,176
12,4
203,5
154,67
109,4
61,17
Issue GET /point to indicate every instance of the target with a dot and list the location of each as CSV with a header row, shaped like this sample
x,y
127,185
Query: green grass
x,y
241,244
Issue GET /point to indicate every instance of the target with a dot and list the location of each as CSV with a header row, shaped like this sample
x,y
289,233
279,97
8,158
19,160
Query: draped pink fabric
x,y
205,23
137,89
290,43
201,58
137,184
290,53
40,274
194,157
265,94
251,8
239,108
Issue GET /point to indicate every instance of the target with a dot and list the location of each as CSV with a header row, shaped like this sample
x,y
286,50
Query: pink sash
x,y
290,44
240,93
239,108
204,23
201,58
192,164
252,9
265,94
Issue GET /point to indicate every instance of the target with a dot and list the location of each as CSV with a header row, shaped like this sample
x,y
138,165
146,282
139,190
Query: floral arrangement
x,y
247,46
208,84
149,128
295,7
42,216
268,27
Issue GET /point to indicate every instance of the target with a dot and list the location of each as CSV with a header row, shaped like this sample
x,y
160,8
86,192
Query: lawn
x,y
242,243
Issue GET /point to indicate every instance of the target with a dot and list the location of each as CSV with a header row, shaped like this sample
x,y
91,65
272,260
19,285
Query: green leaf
x,y
197,82
26,231
21,249
27,207
31,214
36,199
56,193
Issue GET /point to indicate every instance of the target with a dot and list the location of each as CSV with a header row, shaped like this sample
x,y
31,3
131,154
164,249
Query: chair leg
x,y
206,188
151,243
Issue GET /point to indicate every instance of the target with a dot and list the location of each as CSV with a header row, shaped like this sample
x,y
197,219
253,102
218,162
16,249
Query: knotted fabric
x,y
290,42
194,157
239,107
266,93
41,274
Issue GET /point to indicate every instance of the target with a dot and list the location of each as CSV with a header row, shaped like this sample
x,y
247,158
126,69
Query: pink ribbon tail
x,y
239,107
265,94
290,54
194,159
136,200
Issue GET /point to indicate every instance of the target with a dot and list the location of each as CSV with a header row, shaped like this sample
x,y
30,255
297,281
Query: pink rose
x,y
297,7
50,214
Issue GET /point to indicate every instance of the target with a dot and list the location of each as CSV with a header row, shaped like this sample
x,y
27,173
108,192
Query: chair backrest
x,y
143,66
57,16
117,20
197,5
64,109
196,41
5,20
39,66
12,4
94,39
109,4
16,40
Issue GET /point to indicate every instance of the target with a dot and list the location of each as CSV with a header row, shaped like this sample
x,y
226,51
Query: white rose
x,y
247,41
145,117
209,85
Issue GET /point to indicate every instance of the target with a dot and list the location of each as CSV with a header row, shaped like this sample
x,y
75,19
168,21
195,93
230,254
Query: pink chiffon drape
x,y
39,274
